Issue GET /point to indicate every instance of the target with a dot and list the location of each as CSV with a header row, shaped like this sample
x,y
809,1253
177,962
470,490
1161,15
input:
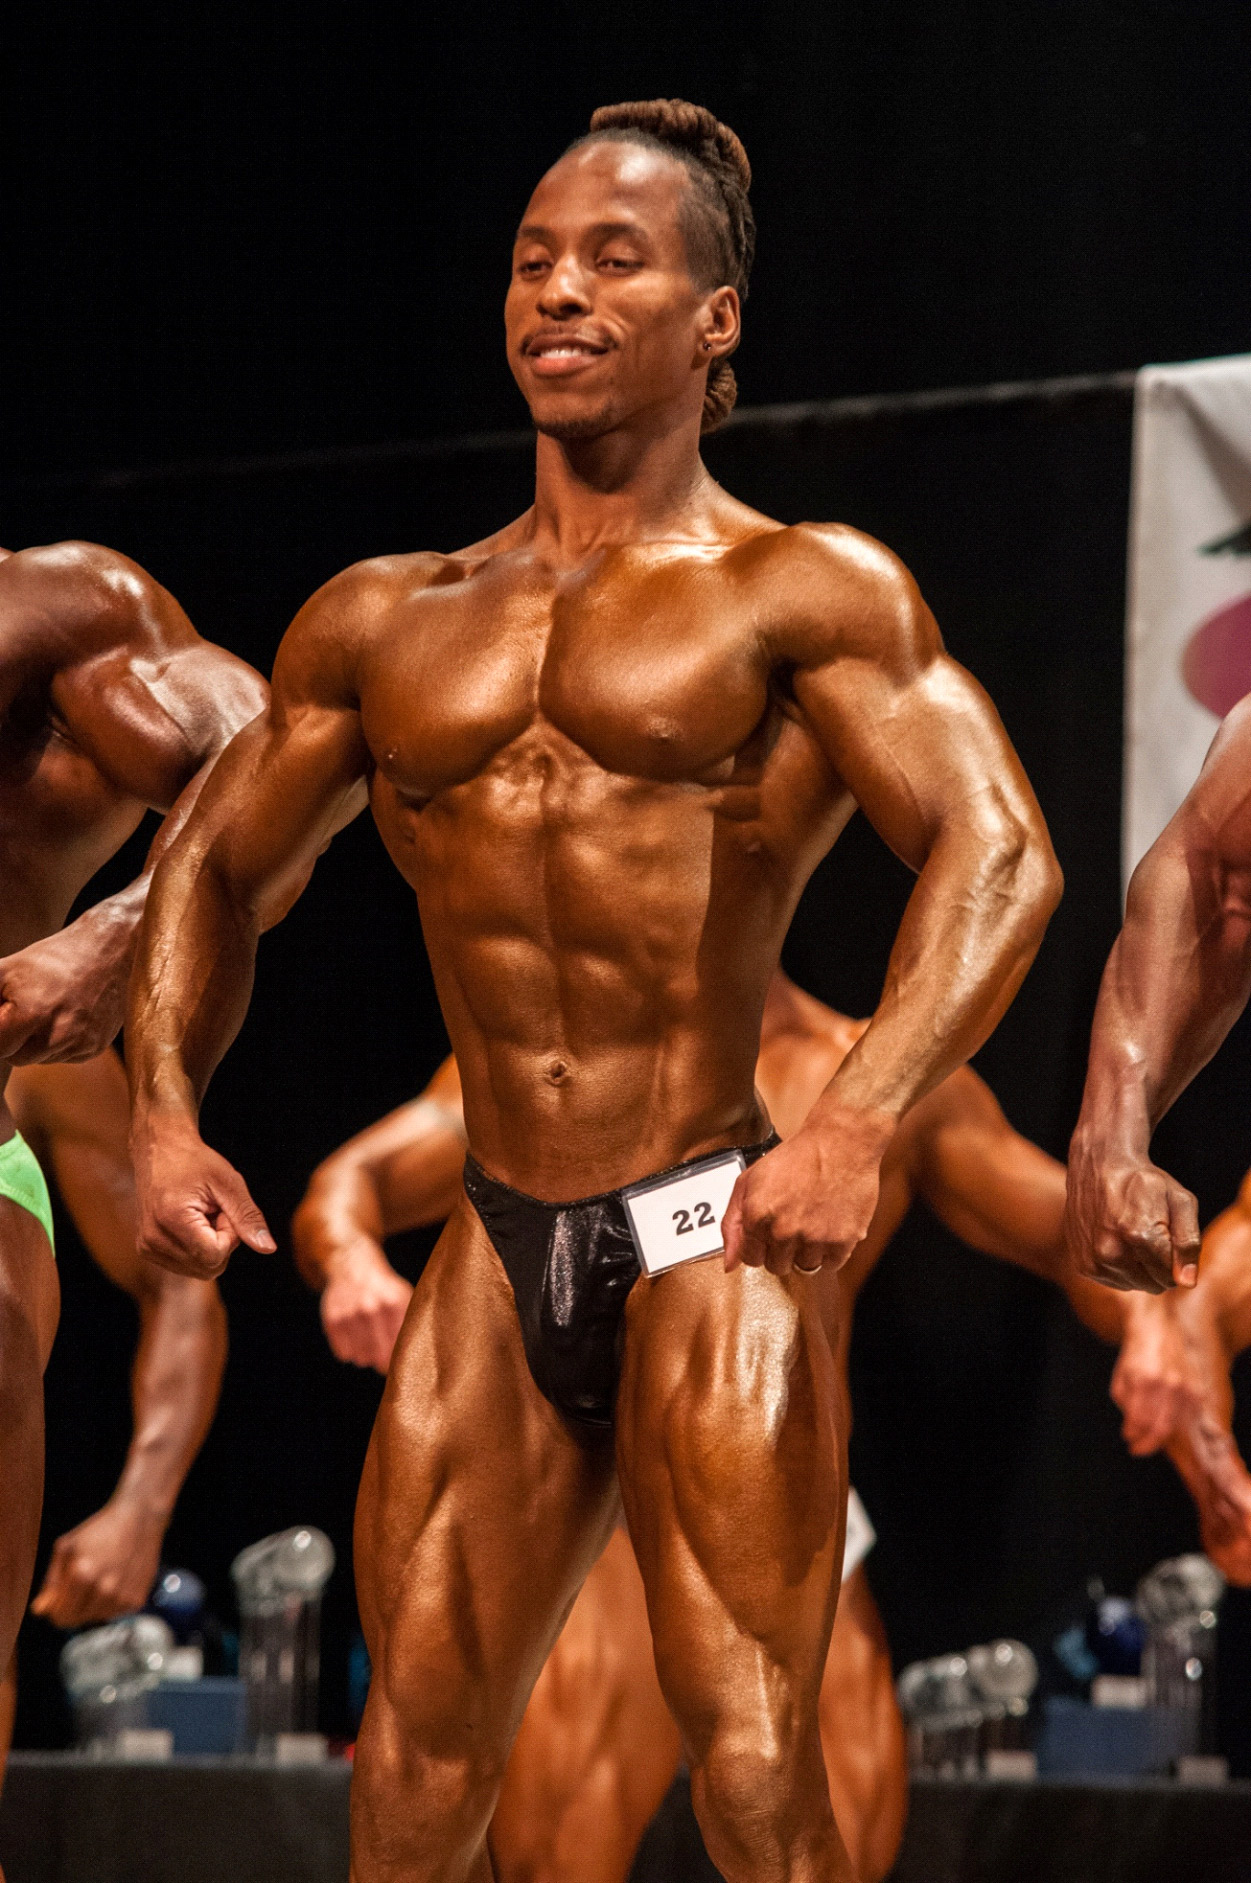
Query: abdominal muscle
x,y
601,973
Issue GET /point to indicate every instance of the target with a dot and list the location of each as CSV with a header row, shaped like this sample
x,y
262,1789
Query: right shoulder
x,y
323,648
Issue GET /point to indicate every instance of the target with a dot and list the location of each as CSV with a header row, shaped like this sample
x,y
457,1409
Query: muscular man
x,y
1178,977
111,705
596,1751
76,1119
606,747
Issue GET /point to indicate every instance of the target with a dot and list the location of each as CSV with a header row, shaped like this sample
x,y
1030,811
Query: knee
x,y
422,1798
756,1790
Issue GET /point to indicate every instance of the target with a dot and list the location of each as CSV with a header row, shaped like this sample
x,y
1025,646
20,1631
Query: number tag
x,y
678,1219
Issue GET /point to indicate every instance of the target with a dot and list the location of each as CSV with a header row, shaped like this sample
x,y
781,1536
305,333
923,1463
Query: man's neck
x,y
630,485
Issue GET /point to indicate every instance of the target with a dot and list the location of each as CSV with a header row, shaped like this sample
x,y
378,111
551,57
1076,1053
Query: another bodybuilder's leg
x,y
862,1734
480,1514
597,1749
8,1707
732,1460
29,1304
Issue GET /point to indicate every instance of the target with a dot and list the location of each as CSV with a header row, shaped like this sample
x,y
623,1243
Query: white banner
x,y
1188,631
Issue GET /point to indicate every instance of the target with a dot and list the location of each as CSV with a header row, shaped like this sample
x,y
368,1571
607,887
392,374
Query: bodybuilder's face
x,y
603,319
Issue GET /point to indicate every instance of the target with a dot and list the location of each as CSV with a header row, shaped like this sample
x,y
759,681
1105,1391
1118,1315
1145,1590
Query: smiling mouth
x,y
553,357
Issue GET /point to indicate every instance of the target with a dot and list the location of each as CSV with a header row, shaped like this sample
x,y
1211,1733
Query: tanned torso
x,y
607,812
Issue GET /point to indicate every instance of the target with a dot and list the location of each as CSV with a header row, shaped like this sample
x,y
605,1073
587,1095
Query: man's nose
x,y
565,291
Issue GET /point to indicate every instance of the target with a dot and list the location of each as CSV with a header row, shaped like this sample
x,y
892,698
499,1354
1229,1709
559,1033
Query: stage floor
x,y
70,1820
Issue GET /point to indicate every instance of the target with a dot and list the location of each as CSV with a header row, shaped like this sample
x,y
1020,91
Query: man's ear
x,y
720,325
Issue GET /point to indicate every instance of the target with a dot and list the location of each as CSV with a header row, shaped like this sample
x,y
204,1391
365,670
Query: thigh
x,y
597,1749
29,1302
480,1512
732,1455
862,1734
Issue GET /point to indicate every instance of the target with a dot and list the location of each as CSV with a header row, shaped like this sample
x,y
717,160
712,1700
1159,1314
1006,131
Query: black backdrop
x,y
239,238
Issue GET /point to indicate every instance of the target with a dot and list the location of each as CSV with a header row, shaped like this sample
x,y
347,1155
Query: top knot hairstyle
x,y
717,220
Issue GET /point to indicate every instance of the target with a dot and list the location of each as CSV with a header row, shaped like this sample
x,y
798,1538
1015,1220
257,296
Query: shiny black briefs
x,y
571,1266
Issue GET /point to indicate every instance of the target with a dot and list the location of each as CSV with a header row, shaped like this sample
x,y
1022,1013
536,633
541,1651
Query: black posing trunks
x,y
571,1266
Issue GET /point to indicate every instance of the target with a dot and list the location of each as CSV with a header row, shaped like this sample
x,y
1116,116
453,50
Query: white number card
x,y
678,1219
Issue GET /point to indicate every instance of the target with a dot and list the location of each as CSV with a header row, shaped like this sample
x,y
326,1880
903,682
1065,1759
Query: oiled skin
x,y
76,1118
110,704
606,748
593,1748
1177,978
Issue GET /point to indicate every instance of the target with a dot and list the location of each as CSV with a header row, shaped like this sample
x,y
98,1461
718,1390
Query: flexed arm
x,y
921,749
401,1173
272,804
1178,977
130,685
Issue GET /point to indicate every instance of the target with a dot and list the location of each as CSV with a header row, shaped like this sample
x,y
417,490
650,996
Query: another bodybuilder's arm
x,y
921,749
133,688
401,1173
1178,977
1003,1195
78,1118
288,782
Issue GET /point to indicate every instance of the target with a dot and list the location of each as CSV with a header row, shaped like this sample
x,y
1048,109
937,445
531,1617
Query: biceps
x,y
919,755
271,805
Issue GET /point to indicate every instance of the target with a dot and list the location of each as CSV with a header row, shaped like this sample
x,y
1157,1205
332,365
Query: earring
x,y
707,346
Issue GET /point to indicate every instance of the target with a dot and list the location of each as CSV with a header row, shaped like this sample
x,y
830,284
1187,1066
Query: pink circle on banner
x,y
1216,665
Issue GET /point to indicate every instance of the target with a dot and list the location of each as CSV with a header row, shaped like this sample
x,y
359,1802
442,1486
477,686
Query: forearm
x,y
1218,1310
191,986
341,1208
175,1385
1175,982
971,929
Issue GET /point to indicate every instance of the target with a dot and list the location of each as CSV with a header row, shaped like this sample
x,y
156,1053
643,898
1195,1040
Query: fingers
x,y
182,1241
76,1591
14,1030
1184,1226
364,1333
244,1220
732,1229
1135,1228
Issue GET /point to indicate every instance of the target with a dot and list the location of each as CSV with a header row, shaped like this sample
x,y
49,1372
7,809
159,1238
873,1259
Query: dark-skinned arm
x,y
1001,1194
134,688
274,800
401,1173
920,748
77,1116
1178,977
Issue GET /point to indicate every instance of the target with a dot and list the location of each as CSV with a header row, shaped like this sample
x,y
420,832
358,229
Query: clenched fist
x,y
807,1204
194,1207
1129,1224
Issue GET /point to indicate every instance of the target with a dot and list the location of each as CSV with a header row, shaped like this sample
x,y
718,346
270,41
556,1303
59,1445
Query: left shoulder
x,y
833,591
92,599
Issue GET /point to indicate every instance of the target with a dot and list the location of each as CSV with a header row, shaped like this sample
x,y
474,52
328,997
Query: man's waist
x,y
572,1162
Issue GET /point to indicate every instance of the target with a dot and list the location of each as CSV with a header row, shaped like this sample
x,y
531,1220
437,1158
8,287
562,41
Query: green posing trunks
x,y
22,1181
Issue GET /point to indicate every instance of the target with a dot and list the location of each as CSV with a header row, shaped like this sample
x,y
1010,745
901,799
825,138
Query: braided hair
x,y
717,220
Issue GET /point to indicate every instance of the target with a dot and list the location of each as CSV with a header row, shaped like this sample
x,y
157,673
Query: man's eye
x,y
534,266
